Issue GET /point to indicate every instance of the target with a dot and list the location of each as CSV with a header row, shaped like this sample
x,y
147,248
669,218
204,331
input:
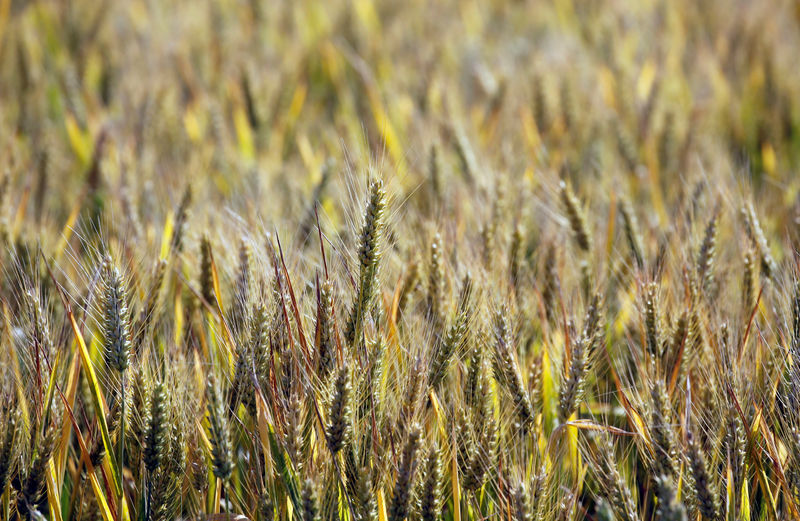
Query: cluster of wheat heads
x,y
520,290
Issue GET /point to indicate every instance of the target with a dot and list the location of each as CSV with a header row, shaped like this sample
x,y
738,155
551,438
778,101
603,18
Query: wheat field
x,y
372,260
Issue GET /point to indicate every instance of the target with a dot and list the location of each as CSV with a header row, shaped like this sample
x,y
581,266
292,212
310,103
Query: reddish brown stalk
x,y
301,335
749,325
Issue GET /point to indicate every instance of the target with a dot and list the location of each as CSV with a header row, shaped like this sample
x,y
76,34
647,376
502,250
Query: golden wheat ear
x,y
702,487
181,221
429,491
577,365
310,500
576,216
402,493
219,432
9,414
339,428
369,253
669,508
